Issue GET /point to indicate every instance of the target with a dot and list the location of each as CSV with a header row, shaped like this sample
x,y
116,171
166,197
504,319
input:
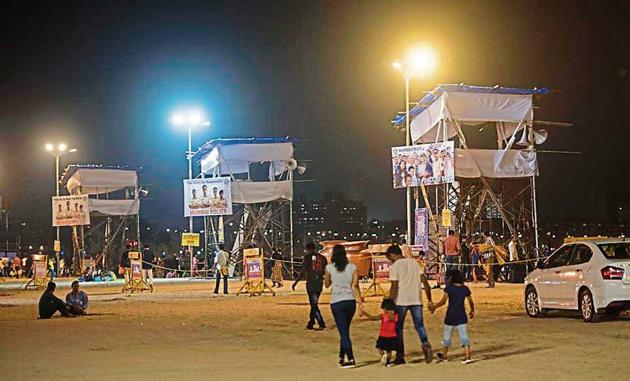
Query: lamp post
x,y
189,119
58,151
419,63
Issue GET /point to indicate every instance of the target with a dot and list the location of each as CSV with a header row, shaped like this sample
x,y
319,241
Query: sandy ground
x,y
181,331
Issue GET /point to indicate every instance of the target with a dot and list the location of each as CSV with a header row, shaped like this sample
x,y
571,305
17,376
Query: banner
x,y
190,239
70,210
207,197
421,234
430,164
253,264
381,267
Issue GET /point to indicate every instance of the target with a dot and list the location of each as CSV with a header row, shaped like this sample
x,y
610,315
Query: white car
x,y
592,277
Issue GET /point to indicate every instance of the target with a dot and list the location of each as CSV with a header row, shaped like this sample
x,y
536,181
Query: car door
x,y
572,275
550,283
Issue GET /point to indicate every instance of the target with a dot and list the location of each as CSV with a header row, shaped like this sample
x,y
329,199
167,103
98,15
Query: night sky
x,y
103,76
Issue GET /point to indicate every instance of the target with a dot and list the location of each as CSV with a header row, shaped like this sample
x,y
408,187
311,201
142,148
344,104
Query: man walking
x,y
452,248
513,252
407,281
221,269
314,266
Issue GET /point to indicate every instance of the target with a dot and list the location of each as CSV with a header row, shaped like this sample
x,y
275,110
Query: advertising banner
x,y
254,265
135,259
381,267
70,210
207,197
430,164
447,218
421,234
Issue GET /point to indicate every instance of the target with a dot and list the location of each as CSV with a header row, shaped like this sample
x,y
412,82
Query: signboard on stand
x,y
380,274
254,271
208,197
39,279
447,218
70,210
136,281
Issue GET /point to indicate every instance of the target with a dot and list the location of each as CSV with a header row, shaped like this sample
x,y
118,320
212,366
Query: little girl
x,y
456,293
387,341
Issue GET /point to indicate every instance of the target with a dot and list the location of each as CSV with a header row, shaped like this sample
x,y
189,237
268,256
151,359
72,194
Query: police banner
x,y
70,210
421,235
430,164
208,197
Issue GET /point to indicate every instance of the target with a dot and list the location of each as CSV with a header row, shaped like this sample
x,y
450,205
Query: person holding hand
x,y
456,293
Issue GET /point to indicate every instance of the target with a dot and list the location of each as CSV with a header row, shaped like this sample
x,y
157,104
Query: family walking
x,y
407,284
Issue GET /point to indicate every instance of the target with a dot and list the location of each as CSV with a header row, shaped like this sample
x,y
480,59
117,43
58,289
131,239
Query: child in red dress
x,y
387,341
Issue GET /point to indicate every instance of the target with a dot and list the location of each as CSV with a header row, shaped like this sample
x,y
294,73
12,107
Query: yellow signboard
x,y
57,246
190,239
447,220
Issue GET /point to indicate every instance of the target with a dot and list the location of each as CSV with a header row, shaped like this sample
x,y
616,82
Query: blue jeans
x,y
315,314
463,334
418,323
452,262
343,312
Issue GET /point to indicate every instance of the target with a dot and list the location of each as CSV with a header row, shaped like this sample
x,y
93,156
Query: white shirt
x,y
512,250
341,282
406,271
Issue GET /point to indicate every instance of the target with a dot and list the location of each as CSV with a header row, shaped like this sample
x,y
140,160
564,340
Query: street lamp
x,y
189,118
419,63
58,151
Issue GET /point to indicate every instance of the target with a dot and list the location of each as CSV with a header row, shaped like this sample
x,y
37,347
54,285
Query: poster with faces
x,y
428,164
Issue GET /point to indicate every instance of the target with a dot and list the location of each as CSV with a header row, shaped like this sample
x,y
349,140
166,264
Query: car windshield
x,y
619,250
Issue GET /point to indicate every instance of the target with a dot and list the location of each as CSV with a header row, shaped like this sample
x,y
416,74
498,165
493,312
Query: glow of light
x,y
194,117
49,147
396,65
422,61
62,147
178,120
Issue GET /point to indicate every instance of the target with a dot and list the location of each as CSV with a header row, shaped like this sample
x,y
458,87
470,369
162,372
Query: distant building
x,y
332,217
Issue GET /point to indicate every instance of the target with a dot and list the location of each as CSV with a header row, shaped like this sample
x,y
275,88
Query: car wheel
x,y
532,306
587,307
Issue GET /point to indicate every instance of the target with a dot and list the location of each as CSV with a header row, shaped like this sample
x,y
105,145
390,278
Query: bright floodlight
x,y
421,61
49,147
397,65
178,119
72,150
62,147
194,117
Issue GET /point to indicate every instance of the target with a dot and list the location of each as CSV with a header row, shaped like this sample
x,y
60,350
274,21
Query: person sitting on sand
x,y
77,300
49,303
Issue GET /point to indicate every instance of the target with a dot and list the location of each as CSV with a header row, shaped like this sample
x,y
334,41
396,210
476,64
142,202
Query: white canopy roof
x,y
233,156
469,105
100,180
472,163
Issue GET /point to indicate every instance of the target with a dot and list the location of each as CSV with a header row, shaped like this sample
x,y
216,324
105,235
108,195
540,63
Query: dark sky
x,y
103,76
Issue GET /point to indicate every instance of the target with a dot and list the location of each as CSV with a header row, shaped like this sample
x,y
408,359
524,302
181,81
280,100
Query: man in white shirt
x,y
513,252
221,269
407,281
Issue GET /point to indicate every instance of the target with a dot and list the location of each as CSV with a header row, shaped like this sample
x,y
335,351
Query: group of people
x,y
217,200
407,282
467,255
76,303
433,166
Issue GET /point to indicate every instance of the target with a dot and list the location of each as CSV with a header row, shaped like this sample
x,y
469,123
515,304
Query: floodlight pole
x,y
408,143
57,187
190,219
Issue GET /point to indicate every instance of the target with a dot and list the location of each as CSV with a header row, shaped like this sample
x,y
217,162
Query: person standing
x,y
466,259
221,269
344,279
276,270
407,281
126,263
17,266
49,303
314,267
148,260
77,300
489,258
513,256
452,248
